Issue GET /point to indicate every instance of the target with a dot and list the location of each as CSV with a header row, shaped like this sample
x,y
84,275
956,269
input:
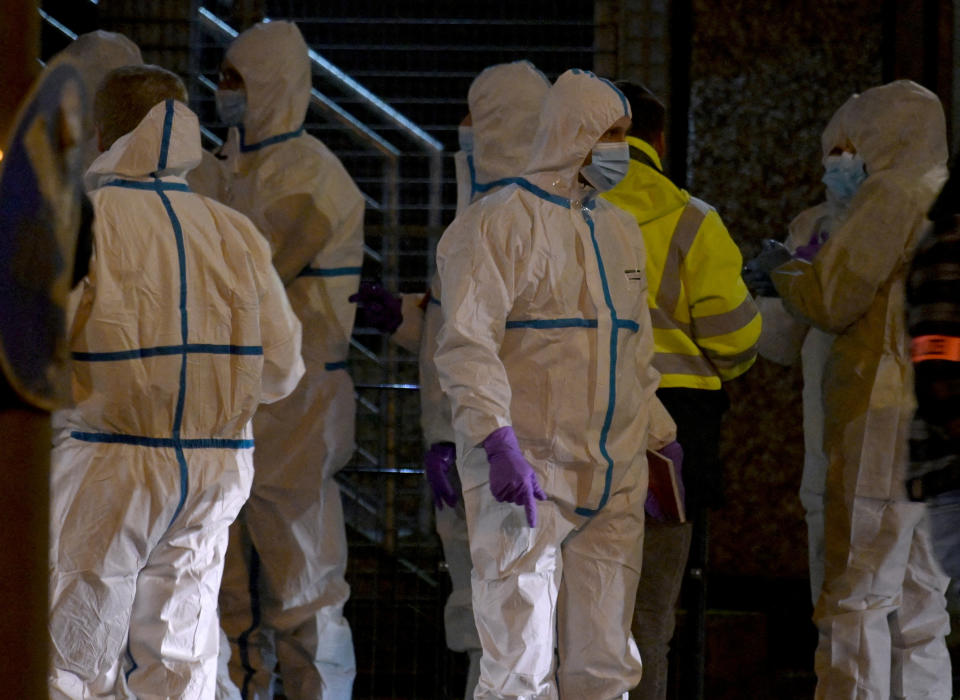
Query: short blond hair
x,y
127,94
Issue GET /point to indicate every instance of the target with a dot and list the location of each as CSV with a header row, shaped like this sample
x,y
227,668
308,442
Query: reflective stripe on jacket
x,y
705,323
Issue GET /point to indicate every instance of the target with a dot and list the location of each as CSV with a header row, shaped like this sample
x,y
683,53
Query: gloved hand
x,y
377,308
756,273
437,462
809,250
512,479
673,452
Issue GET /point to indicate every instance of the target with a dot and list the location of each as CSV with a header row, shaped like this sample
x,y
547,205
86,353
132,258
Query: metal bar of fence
x,y
66,31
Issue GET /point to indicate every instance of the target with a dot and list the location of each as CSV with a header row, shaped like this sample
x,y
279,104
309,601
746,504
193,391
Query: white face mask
x,y
231,106
843,174
609,163
465,136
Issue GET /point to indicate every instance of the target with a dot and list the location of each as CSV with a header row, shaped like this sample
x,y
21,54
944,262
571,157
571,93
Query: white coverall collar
x,y
95,54
165,143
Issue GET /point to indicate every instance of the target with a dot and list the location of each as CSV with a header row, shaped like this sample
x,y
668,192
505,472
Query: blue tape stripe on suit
x,y
247,147
165,140
555,323
612,398
164,350
184,336
542,193
329,271
153,185
183,443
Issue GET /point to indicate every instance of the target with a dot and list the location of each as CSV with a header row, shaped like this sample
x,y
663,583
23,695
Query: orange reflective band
x,y
935,347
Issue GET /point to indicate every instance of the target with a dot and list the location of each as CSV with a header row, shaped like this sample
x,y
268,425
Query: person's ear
x,y
661,145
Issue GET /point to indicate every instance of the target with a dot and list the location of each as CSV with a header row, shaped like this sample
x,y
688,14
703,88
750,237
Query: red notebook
x,y
663,485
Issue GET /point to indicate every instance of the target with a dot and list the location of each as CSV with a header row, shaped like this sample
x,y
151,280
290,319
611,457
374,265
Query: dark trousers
x,y
698,414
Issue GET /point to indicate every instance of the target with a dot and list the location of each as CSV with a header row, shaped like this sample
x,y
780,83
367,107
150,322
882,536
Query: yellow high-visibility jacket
x,y
705,323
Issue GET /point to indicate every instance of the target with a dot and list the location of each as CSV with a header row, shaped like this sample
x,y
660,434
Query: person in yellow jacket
x,y
705,332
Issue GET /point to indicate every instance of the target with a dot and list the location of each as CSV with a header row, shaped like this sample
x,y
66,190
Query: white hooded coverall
x,y
182,328
546,329
784,338
881,615
95,54
504,102
289,545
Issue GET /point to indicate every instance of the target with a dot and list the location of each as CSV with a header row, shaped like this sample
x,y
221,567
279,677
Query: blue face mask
x,y
608,165
231,106
465,136
844,174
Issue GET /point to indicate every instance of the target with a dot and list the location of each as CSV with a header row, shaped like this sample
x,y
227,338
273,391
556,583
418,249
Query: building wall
x,y
632,41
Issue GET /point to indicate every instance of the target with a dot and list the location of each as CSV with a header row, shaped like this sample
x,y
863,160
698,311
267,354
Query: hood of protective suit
x,y
834,134
898,125
165,143
504,102
273,60
576,112
95,54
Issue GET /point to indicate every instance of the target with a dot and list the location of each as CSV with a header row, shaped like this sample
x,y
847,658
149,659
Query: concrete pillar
x,y
24,459
19,50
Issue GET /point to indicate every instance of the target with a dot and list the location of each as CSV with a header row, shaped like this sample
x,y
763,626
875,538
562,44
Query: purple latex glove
x,y
809,251
377,308
674,452
512,479
437,462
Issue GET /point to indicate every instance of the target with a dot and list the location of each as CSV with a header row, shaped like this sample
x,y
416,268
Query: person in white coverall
x,y
496,137
545,355
181,328
95,54
784,338
284,589
882,614
504,105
